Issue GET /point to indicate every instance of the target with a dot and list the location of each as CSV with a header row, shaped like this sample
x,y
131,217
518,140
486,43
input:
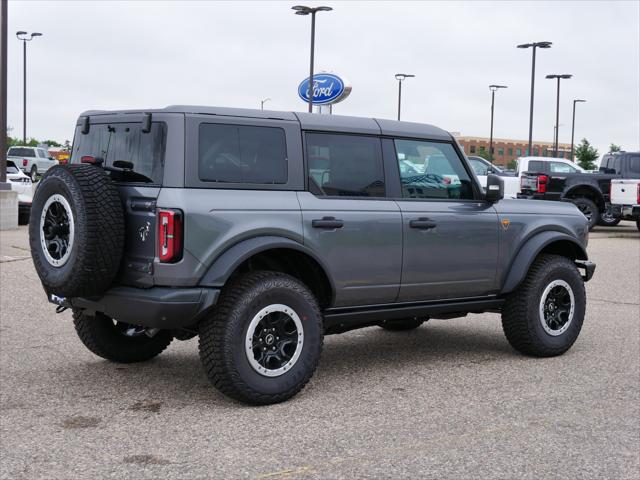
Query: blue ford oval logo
x,y
327,88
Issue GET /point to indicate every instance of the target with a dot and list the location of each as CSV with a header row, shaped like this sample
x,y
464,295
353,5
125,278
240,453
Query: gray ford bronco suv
x,y
262,231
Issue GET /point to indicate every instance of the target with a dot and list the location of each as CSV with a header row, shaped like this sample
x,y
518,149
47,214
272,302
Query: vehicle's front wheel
x,y
543,317
33,174
589,209
117,341
403,324
262,343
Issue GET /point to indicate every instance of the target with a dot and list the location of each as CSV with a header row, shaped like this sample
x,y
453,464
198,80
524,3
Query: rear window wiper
x,y
120,167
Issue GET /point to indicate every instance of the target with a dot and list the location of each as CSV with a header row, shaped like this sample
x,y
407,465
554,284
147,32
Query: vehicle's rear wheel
x,y
543,317
76,232
403,324
638,224
23,217
589,209
117,341
608,220
33,174
262,343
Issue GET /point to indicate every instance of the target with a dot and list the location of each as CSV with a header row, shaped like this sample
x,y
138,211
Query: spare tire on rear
x,y
76,232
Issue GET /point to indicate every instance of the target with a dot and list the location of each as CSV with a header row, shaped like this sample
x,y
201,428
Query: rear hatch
x,y
135,162
625,192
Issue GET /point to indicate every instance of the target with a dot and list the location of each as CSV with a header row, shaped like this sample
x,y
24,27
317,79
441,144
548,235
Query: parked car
x,y
21,184
588,191
33,161
483,167
262,231
625,199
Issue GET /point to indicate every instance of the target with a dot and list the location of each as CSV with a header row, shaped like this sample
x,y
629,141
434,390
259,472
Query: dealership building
x,y
505,150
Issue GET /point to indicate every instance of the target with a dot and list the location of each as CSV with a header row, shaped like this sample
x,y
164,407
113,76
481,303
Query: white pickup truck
x,y
524,164
625,199
33,161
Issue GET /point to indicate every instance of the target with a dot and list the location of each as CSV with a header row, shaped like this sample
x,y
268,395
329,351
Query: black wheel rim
x,y
274,340
557,306
586,211
56,230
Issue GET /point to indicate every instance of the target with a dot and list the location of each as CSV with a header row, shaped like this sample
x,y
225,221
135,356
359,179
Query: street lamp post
x,y
302,10
493,89
573,124
23,37
533,45
401,77
262,102
563,76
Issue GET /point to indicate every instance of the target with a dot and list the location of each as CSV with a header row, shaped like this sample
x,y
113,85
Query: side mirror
x,y
495,188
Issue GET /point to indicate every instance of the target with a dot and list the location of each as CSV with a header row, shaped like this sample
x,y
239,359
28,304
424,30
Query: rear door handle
x,y
327,222
422,224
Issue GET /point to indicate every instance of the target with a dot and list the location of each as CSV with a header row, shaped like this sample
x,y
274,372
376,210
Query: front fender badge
x,y
505,223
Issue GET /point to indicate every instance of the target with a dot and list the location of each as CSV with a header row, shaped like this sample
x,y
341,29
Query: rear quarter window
x,y
634,165
242,154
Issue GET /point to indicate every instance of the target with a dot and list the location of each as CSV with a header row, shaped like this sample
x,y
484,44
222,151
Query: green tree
x,y
614,148
512,165
586,155
484,154
52,143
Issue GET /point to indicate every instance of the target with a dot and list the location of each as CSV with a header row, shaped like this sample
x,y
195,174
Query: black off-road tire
x,y
99,227
223,333
100,335
403,324
638,224
521,320
589,209
33,174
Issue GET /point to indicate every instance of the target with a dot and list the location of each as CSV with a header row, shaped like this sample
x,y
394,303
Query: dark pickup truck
x,y
588,191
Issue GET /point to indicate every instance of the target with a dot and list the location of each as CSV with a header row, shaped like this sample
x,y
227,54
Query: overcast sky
x,y
114,55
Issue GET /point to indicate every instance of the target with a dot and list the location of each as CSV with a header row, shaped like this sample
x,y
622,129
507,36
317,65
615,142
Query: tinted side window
x,y
478,167
536,166
634,164
242,154
345,165
443,175
558,167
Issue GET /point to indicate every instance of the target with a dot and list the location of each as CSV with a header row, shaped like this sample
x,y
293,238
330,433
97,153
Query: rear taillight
x,y
25,162
170,231
638,195
542,183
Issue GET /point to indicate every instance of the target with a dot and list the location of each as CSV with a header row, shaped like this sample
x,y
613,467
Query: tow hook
x,y
61,302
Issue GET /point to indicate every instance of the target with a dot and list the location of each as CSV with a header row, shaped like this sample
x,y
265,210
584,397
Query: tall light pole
x,y
563,76
401,77
493,89
302,10
3,95
573,124
262,102
533,45
24,38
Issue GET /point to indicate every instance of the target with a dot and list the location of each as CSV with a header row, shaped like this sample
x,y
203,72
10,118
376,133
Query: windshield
x,y
124,142
21,152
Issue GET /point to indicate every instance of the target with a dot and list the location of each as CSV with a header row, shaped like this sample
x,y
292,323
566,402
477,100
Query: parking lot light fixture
x,y
493,89
573,124
303,10
533,45
262,102
25,37
401,77
563,76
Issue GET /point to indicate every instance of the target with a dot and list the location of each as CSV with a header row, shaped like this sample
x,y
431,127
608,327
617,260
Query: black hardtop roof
x,y
307,121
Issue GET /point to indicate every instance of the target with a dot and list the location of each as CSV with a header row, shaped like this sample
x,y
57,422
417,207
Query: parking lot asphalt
x,y
449,400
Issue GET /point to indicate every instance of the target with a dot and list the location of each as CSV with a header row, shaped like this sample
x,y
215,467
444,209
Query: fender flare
x,y
529,251
226,263
599,196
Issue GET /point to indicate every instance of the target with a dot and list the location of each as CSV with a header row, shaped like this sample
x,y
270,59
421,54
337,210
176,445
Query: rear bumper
x,y
156,307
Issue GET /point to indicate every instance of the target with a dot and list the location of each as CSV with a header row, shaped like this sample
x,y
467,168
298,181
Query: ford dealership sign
x,y
328,88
